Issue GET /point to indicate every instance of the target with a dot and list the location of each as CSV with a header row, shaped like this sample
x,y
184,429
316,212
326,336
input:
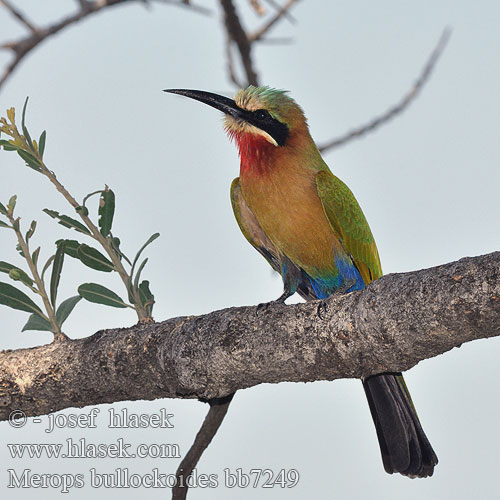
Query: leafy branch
x,y
52,319
139,294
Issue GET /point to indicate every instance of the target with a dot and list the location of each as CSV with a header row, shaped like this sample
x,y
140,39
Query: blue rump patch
x,y
347,273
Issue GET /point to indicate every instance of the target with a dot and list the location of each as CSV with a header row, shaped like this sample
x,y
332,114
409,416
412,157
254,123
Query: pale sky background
x,y
428,183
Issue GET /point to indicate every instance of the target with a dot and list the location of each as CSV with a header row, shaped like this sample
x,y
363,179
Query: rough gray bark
x,y
397,321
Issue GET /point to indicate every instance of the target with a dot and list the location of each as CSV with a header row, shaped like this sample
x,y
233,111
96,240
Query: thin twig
x,y
257,35
19,15
210,426
23,46
401,106
277,6
257,7
237,34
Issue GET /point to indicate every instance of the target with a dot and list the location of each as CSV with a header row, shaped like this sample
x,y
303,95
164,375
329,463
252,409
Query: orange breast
x,y
284,199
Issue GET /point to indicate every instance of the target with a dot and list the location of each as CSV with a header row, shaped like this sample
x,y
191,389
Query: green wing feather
x,y
349,223
251,228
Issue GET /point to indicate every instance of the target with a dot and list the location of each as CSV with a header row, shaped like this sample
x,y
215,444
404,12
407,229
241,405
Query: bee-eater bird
x,y
309,227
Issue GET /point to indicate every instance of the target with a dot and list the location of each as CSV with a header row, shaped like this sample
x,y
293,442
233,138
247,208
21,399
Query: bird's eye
x,y
261,114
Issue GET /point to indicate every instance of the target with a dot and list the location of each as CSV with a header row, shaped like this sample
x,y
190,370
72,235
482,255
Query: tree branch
x,y
210,426
23,46
237,34
398,108
399,320
275,5
19,16
281,12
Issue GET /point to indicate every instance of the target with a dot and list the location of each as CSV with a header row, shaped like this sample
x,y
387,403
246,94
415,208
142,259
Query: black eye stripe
x,y
261,118
262,114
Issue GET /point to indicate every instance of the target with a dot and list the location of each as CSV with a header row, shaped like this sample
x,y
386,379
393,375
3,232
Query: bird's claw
x,y
264,306
322,309
342,290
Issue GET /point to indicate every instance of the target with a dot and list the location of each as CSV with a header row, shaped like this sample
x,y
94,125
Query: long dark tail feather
x,y
403,443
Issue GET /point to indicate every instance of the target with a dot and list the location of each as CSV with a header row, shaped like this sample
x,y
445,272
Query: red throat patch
x,y
255,152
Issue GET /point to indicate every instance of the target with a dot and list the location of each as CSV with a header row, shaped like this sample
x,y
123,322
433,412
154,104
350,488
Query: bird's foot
x,y
322,309
264,306
342,290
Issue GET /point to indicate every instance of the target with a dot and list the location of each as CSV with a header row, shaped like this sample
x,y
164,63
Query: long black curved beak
x,y
217,101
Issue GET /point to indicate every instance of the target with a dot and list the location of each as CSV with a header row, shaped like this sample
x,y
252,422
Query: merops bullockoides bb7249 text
x,y
309,227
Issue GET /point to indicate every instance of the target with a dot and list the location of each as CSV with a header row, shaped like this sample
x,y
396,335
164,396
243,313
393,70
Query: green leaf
x,y
34,256
12,297
47,265
41,143
65,309
115,244
15,273
3,210
147,298
100,295
5,267
56,272
3,224
10,147
66,221
19,275
94,259
25,130
30,160
31,230
12,203
106,211
139,271
148,242
36,322
20,250
70,247
145,292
